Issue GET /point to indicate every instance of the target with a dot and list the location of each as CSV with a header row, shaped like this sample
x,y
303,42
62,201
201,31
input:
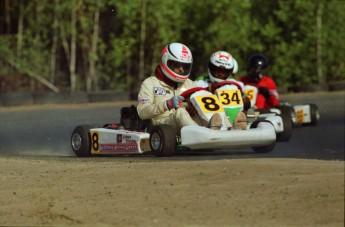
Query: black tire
x,y
314,114
262,149
286,115
163,140
81,141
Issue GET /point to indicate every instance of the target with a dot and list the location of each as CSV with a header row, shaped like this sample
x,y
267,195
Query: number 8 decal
x,y
95,141
209,104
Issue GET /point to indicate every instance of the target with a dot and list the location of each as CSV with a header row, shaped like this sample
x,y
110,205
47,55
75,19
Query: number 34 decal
x,y
228,98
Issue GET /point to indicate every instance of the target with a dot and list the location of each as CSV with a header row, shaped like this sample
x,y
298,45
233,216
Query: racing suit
x,y
272,99
152,98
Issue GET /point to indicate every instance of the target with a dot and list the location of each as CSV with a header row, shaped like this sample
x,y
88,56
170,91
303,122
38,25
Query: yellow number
x,y
209,104
95,141
230,97
250,93
300,116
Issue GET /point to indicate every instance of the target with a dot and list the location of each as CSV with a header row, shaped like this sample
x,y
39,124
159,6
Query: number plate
x,y
209,104
230,98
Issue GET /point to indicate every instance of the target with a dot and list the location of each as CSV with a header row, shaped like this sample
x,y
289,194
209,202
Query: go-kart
x,y
135,136
300,115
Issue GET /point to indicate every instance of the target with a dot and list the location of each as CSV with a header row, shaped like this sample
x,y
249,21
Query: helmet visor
x,y
219,72
179,68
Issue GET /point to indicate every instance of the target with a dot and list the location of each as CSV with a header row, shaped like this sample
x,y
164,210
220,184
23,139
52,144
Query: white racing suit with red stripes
x,y
152,103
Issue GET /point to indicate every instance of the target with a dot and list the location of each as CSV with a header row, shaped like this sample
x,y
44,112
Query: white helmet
x,y
176,55
224,62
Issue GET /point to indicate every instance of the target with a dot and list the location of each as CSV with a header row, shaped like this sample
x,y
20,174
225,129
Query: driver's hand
x,y
246,103
265,92
174,102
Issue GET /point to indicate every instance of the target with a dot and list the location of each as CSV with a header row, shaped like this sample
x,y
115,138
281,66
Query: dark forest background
x,y
87,45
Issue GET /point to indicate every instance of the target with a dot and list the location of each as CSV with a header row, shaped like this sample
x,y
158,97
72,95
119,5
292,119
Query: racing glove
x,y
174,102
246,103
265,92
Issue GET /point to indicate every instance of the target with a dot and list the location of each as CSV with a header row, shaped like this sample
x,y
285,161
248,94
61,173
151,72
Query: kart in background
x,y
135,136
300,115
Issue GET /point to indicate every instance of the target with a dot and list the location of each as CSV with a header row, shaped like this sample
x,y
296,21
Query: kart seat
x,y
130,119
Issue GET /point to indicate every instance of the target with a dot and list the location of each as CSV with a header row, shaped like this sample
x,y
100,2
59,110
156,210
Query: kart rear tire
x,y
163,140
314,115
262,149
81,141
286,115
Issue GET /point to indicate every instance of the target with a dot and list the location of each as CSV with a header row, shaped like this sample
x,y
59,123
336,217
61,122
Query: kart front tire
x,y
163,140
314,114
81,141
262,149
286,114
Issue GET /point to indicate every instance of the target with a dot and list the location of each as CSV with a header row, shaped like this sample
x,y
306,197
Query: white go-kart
x,y
300,115
135,136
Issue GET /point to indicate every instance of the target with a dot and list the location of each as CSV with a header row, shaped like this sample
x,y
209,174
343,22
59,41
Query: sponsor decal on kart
x,y
118,147
128,139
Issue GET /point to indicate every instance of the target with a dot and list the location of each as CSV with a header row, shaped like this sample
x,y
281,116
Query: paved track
x,y
45,130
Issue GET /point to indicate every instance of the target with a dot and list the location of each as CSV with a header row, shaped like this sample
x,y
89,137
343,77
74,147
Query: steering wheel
x,y
227,82
186,95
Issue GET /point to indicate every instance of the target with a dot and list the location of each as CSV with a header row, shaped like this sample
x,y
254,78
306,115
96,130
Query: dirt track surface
x,y
123,191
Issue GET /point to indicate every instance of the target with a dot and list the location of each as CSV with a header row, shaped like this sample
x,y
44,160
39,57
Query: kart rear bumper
x,y
196,137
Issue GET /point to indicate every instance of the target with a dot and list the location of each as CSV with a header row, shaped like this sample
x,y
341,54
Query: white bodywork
x,y
197,137
110,141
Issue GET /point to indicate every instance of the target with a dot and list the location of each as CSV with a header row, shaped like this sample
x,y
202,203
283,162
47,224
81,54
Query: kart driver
x,y
222,67
159,96
268,95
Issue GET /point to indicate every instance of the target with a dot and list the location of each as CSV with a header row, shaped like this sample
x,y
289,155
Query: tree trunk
x,y
20,30
7,16
320,76
93,79
54,44
72,66
142,42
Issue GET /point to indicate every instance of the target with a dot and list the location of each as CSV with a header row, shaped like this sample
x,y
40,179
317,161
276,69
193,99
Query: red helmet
x,y
176,62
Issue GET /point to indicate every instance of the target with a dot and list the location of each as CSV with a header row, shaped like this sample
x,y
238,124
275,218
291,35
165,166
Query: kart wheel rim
x,y
76,141
155,141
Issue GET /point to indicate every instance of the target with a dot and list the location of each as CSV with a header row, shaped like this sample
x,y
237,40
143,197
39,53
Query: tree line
x,y
87,45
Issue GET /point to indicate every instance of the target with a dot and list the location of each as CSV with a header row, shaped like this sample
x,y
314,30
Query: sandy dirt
x,y
123,191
